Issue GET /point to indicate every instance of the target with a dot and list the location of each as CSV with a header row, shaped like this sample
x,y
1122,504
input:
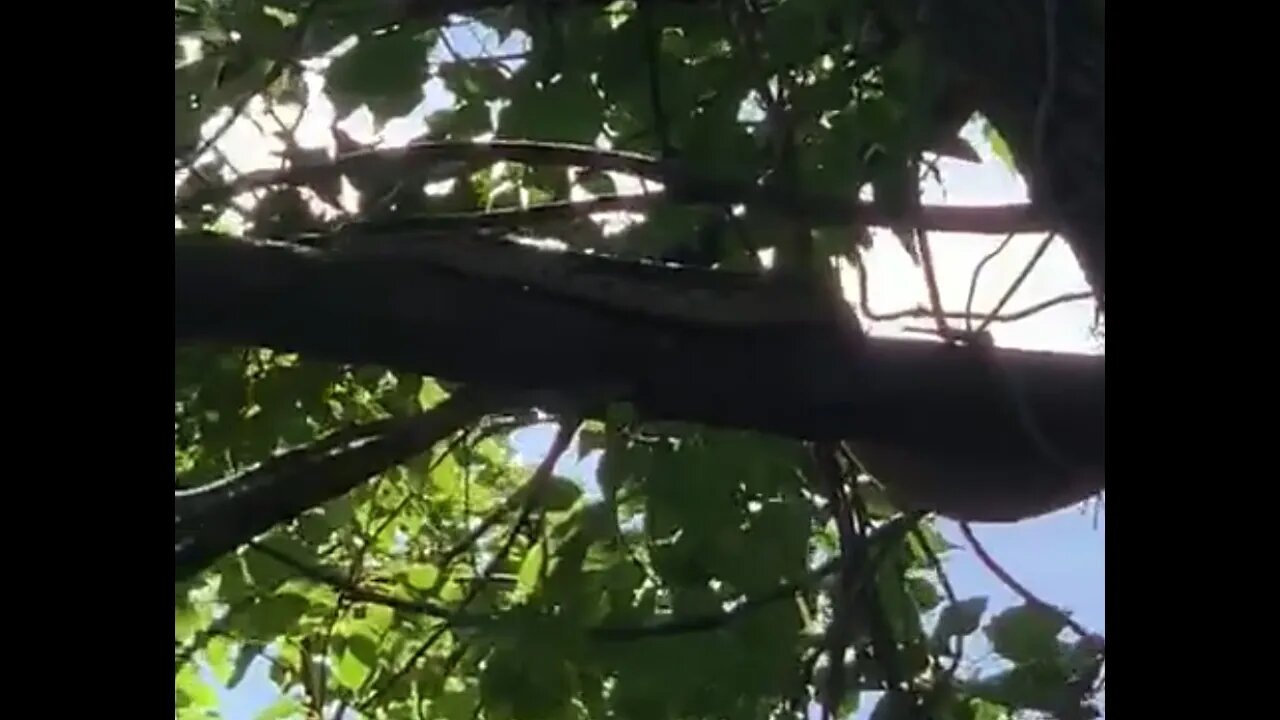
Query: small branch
x,y
931,282
681,185
540,477
977,273
1027,596
356,593
1017,282
1022,314
214,520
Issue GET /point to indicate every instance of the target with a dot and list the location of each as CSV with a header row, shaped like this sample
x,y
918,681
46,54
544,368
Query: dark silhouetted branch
x,y
810,379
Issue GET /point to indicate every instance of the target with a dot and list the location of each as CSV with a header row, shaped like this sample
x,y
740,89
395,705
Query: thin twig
x,y
359,594
1027,596
1022,314
1017,282
940,570
540,477
931,281
884,536
977,273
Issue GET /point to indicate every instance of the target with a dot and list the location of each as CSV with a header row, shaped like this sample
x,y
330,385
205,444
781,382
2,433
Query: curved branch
x,y
1062,152
212,521
681,186
1027,596
813,378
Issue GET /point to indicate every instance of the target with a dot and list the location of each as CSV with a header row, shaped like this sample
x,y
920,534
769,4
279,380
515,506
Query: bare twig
x,y
1017,282
1027,596
977,273
536,487
931,281
1021,314
540,477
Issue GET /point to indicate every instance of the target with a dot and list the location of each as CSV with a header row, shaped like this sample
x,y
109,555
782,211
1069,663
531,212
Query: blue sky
x,y
1061,557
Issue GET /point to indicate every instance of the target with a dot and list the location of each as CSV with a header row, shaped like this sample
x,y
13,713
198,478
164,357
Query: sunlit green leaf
x,y
356,662
998,146
192,692
217,654
423,577
282,709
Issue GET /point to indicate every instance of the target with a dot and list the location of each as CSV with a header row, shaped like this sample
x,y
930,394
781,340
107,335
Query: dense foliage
x,y
702,572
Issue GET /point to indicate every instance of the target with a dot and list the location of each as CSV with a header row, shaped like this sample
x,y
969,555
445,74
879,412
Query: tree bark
x,y
806,380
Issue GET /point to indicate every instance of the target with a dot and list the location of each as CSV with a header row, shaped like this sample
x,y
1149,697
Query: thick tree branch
x,y
216,519
802,379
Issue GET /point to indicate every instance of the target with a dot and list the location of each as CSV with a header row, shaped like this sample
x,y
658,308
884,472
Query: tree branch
x,y
682,186
813,380
1062,153
1027,596
211,521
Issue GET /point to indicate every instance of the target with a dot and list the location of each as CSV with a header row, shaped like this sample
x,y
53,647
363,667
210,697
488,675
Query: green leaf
x,y
566,109
518,685
530,570
265,571
924,592
384,72
271,616
192,692
454,705
423,577
1033,687
187,620
592,437
983,710
357,661
560,494
960,618
999,147
283,708
1026,634
217,654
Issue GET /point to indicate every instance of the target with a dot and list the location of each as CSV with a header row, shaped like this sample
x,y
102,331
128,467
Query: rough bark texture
x,y
813,381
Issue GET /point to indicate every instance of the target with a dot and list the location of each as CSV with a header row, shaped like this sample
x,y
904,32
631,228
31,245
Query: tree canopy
x,y
644,223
